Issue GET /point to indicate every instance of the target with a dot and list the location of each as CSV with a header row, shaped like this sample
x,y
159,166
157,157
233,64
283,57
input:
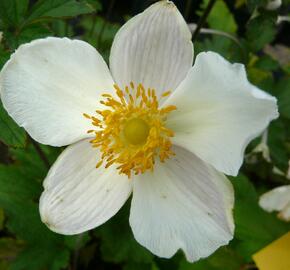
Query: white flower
x,y
288,171
262,148
178,144
277,199
273,4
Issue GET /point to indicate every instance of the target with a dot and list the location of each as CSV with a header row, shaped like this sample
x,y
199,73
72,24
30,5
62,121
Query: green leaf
x,y
220,17
266,63
261,30
258,76
20,188
15,182
52,257
104,31
96,4
13,11
45,9
4,265
10,133
283,94
77,241
61,28
125,248
277,144
223,258
4,56
27,34
2,217
252,4
221,45
139,266
9,248
255,228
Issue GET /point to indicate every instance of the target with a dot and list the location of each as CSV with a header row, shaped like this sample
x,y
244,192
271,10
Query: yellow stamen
x,y
86,116
132,85
131,132
167,93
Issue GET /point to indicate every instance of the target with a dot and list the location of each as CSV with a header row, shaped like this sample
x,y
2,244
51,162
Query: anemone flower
x,y
154,125
277,199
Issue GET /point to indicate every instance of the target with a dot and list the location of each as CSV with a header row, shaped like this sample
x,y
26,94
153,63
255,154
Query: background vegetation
x,y
251,34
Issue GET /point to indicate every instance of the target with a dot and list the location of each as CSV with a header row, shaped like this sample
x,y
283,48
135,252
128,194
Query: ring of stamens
x,y
131,132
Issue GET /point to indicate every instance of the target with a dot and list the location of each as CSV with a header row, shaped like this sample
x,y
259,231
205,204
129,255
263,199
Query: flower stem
x,y
203,18
39,151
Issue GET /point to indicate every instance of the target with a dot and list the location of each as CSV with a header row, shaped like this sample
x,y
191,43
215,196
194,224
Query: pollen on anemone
x,y
132,132
153,125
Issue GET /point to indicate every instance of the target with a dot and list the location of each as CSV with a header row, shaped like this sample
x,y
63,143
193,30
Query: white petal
x,y
285,213
49,83
276,199
184,204
77,196
219,112
153,48
273,4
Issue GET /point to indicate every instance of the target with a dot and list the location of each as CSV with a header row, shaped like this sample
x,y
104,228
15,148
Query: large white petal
x,y
184,204
49,83
77,196
276,199
153,48
219,112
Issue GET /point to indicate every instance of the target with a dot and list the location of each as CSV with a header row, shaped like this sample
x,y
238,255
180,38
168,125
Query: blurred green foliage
x,y
25,243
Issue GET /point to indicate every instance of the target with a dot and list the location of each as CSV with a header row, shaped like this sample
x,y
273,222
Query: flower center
x,y
136,131
131,131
